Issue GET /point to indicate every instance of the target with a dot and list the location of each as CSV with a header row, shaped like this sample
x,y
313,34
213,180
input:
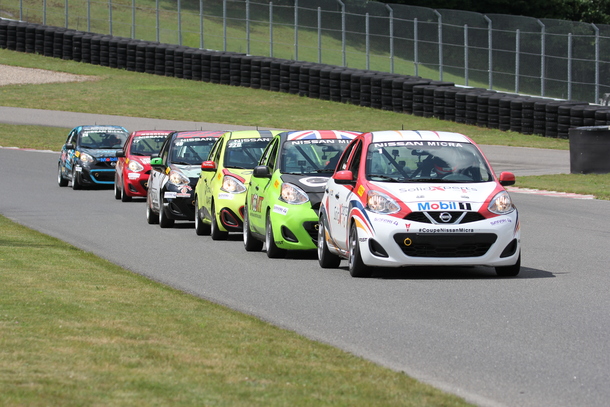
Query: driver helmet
x,y
442,168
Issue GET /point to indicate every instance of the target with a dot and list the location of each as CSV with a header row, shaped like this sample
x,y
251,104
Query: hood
x,y
446,197
189,171
308,183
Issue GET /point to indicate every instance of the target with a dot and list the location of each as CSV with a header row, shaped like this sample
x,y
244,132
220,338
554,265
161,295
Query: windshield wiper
x,y
437,180
182,163
386,178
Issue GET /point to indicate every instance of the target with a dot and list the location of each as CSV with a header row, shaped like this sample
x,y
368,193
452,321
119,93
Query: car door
x,y
258,191
157,176
339,196
207,178
68,153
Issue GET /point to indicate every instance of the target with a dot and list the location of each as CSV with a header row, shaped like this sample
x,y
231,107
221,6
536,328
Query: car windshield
x,y
426,161
244,153
102,139
311,156
191,150
146,145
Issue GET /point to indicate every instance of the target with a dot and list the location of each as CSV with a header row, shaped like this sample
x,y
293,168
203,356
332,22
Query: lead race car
x,y
417,198
88,157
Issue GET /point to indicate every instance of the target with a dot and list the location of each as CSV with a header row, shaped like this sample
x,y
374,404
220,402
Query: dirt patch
x,y
15,75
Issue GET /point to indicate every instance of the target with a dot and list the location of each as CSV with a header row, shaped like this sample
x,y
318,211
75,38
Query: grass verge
x,y
78,330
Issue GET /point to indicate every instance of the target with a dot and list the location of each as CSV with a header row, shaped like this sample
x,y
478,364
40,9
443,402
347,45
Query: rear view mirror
x,y
208,166
343,177
507,178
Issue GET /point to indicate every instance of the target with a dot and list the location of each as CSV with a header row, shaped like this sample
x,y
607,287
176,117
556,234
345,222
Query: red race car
x,y
133,165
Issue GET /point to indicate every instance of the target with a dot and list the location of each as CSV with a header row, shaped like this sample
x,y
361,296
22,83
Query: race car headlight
x,y
86,158
501,204
293,195
381,203
232,185
177,178
135,166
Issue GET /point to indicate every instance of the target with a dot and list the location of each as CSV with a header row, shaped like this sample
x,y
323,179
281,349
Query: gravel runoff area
x,y
14,75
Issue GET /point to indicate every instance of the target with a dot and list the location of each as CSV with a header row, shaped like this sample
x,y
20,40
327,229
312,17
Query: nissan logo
x,y
445,217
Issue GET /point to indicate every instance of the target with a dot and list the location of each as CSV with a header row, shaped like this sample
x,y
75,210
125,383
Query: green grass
x,y
78,330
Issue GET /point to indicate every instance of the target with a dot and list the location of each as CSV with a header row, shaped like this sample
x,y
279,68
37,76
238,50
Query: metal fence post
x,y
344,57
596,63
67,6
296,30
489,53
110,17
88,15
319,35
570,66
466,54
224,25
20,10
415,47
44,13
158,27
248,27
391,28
368,44
440,44
133,19
517,58
271,29
542,56
201,24
179,7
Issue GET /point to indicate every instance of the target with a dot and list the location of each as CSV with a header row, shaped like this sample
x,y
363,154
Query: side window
x,y
71,138
354,164
345,157
165,149
270,156
215,153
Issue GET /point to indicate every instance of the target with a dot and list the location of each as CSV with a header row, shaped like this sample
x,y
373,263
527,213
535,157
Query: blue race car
x,y
88,158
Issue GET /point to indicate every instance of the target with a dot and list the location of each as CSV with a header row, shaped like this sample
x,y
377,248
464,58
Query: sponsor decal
x,y
256,203
167,170
186,189
169,194
145,160
446,230
500,221
360,191
225,195
363,239
461,189
77,154
280,209
107,159
443,206
133,175
182,195
386,220
276,184
408,226
78,168
340,214
314,181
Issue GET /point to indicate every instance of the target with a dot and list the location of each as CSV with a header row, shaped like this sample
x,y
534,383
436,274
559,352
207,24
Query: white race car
x,y
417,198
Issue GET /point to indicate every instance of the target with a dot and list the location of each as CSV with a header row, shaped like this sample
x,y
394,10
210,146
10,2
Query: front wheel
x,y
61,181
251,244
216,233
325,257
201,229
151,217
273,252
356,267
510,271
164,221
117,190
76,182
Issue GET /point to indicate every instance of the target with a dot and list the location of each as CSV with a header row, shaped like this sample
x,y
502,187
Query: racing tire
x,y
355,265
151,217
251,244
61,181
215,231
325,257
117,190
201,229
273,252
509,271
124,196
164,221
76,183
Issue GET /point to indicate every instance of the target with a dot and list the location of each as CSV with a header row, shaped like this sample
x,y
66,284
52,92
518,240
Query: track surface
x,y
540,339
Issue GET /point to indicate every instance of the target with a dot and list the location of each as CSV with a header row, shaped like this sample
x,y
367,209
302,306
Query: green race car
x,y
220,192
286,187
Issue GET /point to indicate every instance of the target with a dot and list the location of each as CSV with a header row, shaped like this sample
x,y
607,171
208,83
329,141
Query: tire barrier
x,y
589,150
379,90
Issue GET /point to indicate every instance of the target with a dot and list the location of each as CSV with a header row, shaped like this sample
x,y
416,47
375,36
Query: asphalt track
x,y
540,339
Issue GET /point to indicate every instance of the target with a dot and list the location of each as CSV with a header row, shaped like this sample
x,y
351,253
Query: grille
x,y
445,244
312,229
102,175
421,217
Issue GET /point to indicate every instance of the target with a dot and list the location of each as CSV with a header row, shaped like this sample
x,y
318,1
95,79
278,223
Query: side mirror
x,y
344,177
156,162
120,153
208,166
261,171
69,146
507,178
